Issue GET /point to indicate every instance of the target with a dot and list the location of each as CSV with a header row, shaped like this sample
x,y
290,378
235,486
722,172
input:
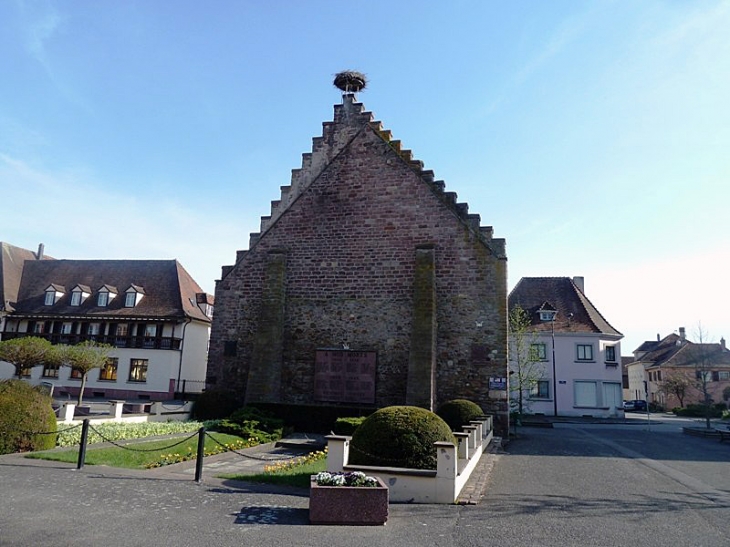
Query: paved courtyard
x,y
576,484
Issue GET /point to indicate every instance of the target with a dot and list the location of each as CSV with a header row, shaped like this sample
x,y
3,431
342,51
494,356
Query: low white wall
x,y
441,485
158,413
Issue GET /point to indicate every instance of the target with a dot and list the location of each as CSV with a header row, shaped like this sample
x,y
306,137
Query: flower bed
x,y
347,498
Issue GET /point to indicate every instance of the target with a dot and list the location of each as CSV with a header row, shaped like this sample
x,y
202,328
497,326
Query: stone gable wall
x,y
350,243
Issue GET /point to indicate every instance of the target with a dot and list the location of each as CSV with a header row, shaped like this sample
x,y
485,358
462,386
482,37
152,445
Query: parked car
x,y
636,404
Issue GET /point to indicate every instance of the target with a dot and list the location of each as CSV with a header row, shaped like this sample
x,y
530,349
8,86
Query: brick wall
x,y
350,239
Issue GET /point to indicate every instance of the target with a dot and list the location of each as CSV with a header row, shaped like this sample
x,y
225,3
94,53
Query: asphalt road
x,y
582,485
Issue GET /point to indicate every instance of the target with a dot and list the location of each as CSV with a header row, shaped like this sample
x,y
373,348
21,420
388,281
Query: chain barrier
x,y
105,439
41,432
250,457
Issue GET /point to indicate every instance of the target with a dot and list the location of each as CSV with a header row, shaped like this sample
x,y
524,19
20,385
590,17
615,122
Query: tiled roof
x,y
688,354
11,269
575,312
169,290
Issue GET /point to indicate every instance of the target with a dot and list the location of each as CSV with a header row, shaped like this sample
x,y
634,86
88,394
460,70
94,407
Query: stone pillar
x,y
264,377
117,409
338,452
421,387
446,471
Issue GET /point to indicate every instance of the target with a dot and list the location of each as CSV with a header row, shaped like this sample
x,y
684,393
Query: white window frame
x,y
130,299
50,298
578,348
76,298
538,351
102,300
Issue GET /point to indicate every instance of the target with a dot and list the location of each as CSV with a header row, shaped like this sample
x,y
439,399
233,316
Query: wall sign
x,y
344,376
498,384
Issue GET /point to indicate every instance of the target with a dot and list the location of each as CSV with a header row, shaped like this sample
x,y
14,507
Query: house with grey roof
x,y
578,352
156,317
675,355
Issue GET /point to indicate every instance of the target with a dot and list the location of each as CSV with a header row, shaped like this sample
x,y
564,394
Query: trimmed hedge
x,y
252,423
215,404
347,426
312,418
700,411
459,412
399,436
27,420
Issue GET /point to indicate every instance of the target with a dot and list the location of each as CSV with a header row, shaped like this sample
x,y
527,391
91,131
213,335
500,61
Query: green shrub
x,y
459,412
698,411
27,421
312,418
252,423
347,426
215,404
399,436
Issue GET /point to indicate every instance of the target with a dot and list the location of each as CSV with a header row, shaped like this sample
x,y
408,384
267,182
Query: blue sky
x,y
593,136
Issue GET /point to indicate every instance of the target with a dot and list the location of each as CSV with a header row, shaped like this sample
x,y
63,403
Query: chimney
x,y
682,335
39,255
579,281
722,344
658,338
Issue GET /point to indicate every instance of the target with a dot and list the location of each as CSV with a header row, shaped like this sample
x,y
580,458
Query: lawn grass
x,y
294,476
134,459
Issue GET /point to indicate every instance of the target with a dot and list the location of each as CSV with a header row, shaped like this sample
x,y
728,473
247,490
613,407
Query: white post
x,y
118,409
446,469
338,452
463,449
66,414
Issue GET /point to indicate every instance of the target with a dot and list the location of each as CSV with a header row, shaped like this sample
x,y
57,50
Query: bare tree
x,y
676,384
526,369
702,357
85,357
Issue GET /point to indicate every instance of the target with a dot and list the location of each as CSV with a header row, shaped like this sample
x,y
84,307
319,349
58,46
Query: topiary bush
x,y
27,420
215,404
459,412
347,426
399,436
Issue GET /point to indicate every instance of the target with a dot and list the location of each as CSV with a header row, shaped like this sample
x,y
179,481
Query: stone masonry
x,y
365,250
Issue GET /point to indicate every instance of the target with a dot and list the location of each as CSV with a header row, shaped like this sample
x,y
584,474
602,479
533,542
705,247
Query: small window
x,y
38,328
50,371
50,298
584,352
76,298
723,375
66,328
138,370
610,354
103,299
150,330
547,315
538,352
25,373
75,374
93,329
108,372
130,300
541,390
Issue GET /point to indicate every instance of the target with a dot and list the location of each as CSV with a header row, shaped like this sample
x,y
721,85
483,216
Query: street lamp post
x,y
555,377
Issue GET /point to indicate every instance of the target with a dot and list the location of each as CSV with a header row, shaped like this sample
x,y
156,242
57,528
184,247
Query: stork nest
x,y
350,81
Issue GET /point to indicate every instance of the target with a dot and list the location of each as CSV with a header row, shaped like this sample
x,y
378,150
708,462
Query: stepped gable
x,y
350,119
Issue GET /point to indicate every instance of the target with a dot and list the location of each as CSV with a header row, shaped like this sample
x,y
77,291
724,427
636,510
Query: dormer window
x,y
547,315
106,295
133,296
79,294
53,294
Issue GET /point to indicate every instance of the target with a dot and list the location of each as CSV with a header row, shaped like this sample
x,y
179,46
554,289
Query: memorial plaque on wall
x,y
344,376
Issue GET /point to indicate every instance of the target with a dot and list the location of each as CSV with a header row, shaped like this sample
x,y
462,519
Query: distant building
x,y
571,337
12,259
656,361
368,285
152,312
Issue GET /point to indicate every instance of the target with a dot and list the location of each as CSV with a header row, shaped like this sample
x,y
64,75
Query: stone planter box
x,y
348,505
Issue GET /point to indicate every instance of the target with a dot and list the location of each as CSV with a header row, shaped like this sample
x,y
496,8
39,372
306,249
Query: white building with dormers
x,y
156,317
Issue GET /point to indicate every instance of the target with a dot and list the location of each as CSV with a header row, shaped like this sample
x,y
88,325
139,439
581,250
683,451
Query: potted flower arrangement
x,y
347,498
